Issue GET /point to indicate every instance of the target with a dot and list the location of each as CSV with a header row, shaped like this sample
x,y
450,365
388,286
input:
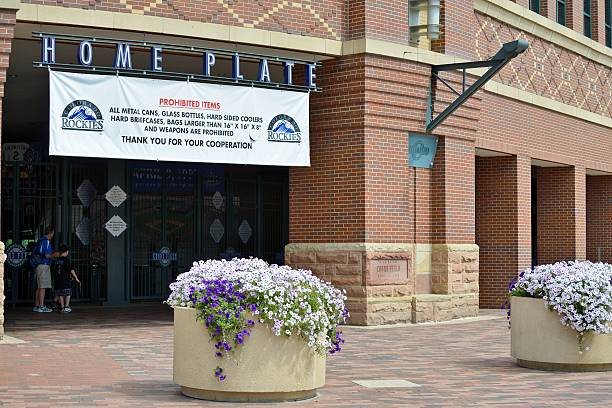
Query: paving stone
x,y
122,357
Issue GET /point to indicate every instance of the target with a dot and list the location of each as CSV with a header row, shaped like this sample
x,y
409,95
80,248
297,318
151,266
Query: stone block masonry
x,y
380,280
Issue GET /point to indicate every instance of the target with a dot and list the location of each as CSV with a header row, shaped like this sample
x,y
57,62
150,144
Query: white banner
x,y
149,119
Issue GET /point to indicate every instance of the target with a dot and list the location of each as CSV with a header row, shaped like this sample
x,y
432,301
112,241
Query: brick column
x,y
503,223
7,27
547,9
580,231
599,20
574,16
454,269
561,196
352,212
599,218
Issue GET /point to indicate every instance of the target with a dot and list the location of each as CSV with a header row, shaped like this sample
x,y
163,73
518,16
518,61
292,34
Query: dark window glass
x,y
561,9
586,12
609,23
534,5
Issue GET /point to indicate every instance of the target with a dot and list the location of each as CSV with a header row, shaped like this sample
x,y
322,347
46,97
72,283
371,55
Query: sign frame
x,y
422,150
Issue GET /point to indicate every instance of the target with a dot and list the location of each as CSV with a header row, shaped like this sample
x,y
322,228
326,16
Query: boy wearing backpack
x,y
63,273
40,261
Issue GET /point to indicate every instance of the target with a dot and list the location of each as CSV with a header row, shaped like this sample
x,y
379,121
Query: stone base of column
x,y
393,283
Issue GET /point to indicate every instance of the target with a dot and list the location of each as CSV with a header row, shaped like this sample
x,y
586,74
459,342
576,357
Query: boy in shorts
x,y
63,274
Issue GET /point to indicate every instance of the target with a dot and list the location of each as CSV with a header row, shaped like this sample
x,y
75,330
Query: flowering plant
x,y
580,292
230,297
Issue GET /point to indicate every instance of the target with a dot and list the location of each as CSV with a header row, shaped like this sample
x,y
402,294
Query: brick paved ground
x,y
123,358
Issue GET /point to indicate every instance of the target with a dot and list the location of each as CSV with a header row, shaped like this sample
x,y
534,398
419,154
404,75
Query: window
x,y
586,13
534,5
609,23
561,9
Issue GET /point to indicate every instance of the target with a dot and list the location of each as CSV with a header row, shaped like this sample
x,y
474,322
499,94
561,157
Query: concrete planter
x,y
540,341
265,368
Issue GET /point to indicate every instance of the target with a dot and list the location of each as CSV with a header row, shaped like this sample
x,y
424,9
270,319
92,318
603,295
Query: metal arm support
x,y
496,63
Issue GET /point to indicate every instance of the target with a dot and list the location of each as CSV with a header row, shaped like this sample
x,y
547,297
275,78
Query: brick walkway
x,y
123,358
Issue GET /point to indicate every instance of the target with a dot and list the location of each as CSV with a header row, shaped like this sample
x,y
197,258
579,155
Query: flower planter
x,y
540,341
265,368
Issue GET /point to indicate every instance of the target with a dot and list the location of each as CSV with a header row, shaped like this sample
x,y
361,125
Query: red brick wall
x,y
387,20
327,200
355,19
547,8
452,192
561,209
496,226
503,225
359,187
541,133
304,18
599,20
574,15
599,218
7,26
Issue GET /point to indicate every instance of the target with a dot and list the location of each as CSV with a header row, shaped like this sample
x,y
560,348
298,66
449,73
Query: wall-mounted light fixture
x,y
424,19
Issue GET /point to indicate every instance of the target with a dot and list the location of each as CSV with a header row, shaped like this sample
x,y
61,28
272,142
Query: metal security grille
x,y
273,228
146,206
87,239
163,232
30,202
181,213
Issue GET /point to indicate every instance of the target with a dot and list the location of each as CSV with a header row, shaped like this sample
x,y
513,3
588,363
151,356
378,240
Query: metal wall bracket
x,y
495,64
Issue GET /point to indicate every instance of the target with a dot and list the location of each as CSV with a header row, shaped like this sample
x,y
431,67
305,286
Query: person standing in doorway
x,y
63,275
41,260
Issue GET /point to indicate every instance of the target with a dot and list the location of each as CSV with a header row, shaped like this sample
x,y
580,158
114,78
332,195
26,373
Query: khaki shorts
x,y
43,276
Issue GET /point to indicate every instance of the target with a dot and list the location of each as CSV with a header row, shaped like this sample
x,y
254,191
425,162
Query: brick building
x,y
521,174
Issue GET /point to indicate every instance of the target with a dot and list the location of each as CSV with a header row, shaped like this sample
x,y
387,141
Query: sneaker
x,y
45,309
67,310
36,309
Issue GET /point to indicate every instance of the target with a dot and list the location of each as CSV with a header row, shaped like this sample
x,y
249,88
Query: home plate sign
x,y
116,226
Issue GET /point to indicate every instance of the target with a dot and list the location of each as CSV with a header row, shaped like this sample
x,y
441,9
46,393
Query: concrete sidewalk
x,y
123,358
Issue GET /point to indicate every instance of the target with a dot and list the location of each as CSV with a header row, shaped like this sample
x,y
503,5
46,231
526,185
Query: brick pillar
x,y
561,196
580,231
599,218
547,9
599,20
503,224
352,212
574,16
7,27
454,254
